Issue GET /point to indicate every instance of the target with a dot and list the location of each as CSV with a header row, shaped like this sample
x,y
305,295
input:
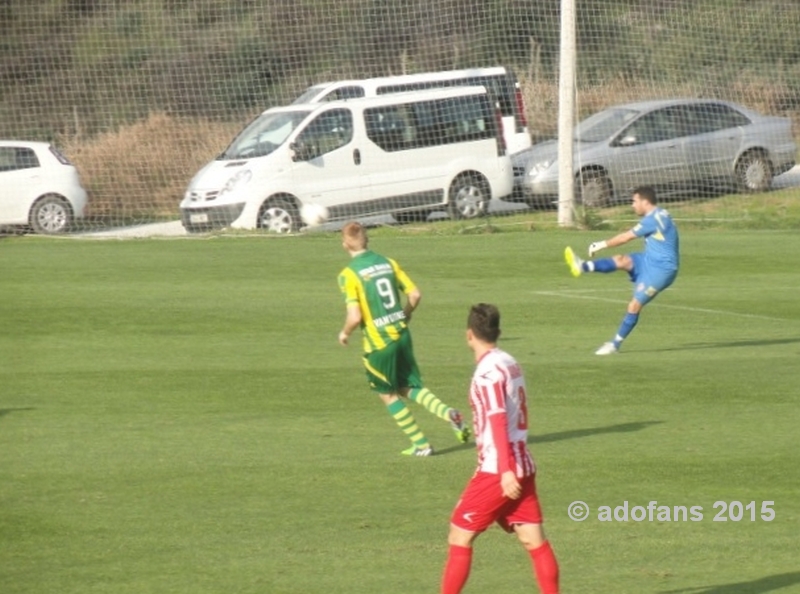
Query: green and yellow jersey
x,y
374,283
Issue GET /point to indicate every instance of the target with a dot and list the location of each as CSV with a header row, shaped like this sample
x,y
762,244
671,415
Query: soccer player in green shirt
x,y
372,285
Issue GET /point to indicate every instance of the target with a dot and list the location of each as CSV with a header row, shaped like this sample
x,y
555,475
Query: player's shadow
x,y
572,434
578,433
735,343
770,583
6,411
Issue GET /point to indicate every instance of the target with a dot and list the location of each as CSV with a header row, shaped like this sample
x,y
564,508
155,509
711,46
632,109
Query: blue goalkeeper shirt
x,y
661,240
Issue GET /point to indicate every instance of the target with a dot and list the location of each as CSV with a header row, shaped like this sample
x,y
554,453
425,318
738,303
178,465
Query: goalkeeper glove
x,y
596,247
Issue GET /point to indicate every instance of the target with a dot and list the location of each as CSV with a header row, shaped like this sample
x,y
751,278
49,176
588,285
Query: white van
x,y
408,154
500,83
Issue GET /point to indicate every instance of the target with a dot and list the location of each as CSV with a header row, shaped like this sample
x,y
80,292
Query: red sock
x,y
546,568
456,571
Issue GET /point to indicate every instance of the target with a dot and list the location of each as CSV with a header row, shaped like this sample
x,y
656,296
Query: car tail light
x,y
499,136
520,115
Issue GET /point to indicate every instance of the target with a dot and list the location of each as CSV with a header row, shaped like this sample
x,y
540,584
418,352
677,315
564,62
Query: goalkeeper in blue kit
x,y
651,271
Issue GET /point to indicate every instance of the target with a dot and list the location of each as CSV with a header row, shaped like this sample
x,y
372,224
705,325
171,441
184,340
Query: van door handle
x,y
357,156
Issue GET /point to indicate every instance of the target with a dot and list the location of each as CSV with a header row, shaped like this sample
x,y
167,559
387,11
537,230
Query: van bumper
x,y
208,218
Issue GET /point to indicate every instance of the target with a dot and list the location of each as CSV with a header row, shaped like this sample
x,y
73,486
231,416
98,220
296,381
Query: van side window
x,y
327,132
460,119
389,127
500,88
431,123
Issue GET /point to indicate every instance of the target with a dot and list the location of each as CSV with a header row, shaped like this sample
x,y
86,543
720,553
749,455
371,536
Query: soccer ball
x,y
314,214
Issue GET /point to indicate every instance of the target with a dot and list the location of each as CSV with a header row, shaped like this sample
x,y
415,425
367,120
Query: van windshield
x,y
264,134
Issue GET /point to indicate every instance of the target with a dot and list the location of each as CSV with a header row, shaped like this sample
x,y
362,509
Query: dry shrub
x,y
142,170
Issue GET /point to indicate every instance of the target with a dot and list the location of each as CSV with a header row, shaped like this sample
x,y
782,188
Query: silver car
x,y
677,146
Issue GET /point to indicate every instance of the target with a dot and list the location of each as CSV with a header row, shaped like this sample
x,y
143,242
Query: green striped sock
x,y
429,400
405,420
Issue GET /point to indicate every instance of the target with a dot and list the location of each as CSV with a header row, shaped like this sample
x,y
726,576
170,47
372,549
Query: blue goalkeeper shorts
x,y
648,282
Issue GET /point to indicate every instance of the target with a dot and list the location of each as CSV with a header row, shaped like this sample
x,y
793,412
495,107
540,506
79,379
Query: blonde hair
x,y
354,236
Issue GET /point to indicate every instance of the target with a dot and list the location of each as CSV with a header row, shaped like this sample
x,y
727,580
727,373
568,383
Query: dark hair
x,y
647,193
484,321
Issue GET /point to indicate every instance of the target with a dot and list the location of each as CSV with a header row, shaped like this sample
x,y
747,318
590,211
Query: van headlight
x,y
236,181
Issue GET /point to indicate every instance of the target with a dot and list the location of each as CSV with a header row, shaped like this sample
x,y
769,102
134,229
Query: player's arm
x,y
407,286
615,241
351,322
508,478
498,420
349,288
412,301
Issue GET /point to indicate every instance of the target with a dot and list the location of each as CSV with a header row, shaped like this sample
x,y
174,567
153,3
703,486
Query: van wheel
x,y
469,197
50,215
279,216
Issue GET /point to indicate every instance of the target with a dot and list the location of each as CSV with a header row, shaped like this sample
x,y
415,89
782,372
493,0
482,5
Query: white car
x,y
39,187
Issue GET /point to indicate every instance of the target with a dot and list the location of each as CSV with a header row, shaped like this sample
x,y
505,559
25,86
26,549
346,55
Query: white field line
x,y
571,295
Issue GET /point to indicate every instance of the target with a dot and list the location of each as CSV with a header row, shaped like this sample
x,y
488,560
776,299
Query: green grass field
x,y
177,417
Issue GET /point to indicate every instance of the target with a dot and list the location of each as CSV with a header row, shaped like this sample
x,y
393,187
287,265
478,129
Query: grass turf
x,y
176,416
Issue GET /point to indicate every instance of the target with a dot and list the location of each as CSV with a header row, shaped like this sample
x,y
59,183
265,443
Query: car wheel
x,y
754,173
593,189
469,197
50,215
279,216
418,216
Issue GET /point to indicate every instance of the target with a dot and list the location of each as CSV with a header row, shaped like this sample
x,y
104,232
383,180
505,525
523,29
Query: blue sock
x,y
601,265
625,328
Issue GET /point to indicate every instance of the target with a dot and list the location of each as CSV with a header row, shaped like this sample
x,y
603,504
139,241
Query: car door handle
x,y
357,156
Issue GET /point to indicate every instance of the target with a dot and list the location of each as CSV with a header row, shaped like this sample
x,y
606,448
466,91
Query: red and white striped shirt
x,y
500,415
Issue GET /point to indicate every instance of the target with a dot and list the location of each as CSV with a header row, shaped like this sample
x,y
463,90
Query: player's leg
x,y
543,559
633,264
625,328
381,369
578,266
459,560
525,519
410,378
478,507
648,286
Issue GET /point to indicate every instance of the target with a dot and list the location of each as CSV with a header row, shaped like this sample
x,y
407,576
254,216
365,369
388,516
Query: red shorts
x,y
483,503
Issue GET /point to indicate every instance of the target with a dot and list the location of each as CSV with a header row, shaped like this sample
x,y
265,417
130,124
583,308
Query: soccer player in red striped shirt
x,y
503,489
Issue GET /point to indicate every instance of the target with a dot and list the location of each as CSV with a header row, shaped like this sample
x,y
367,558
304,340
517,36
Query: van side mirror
x,y
304,151
299,151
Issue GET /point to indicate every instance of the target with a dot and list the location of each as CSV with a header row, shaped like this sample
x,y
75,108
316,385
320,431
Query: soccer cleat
x,y
574,262
418,451
608,348
459,426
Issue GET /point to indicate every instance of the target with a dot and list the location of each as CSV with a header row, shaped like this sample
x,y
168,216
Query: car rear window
x,y
13,158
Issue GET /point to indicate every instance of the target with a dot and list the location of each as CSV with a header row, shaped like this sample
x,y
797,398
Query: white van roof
x,y
410,96
421,77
